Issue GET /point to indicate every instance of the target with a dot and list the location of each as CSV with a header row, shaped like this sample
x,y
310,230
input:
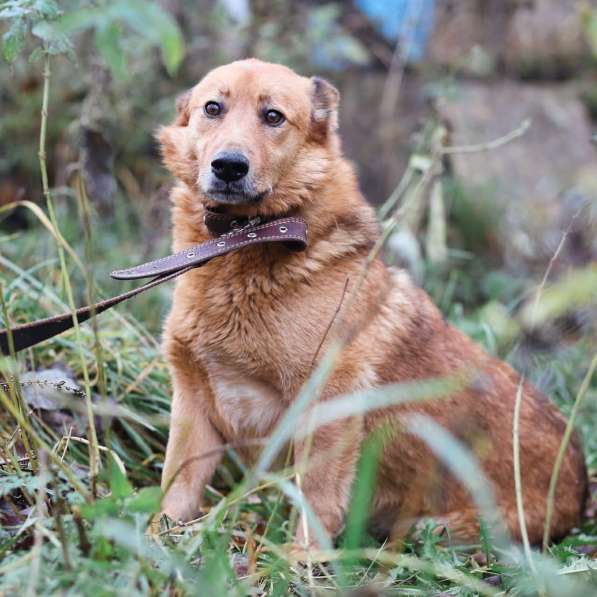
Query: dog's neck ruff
x,y
237,233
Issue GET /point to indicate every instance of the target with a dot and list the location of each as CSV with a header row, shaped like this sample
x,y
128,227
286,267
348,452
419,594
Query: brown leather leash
x,y
233,233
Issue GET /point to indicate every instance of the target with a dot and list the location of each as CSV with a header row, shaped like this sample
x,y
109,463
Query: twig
x,y
72,438
10,339
516,421
93,450
391,224
397,67
551,493
279,497
83,202
60,509
15,390
84,544
66,439
305,526
552,261
392,84
330,324
41,512
489,145
518,480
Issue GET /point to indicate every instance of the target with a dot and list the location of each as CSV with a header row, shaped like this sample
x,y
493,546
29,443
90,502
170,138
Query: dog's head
x,y
253,134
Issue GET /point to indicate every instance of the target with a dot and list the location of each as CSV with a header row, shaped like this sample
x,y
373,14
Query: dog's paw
x,y
180,504
301,556
159,523
306,549
162,522
305,537
297,553
304,543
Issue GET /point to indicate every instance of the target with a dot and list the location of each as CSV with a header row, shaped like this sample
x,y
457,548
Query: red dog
x,y
256,139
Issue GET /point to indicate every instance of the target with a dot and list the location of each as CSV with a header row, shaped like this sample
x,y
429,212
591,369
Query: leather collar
x,y
291,232
219,222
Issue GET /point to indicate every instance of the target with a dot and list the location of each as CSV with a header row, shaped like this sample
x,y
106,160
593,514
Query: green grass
x,y
58,539
66,531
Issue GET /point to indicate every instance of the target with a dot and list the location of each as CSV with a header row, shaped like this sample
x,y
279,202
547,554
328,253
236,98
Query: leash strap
x,y
290,231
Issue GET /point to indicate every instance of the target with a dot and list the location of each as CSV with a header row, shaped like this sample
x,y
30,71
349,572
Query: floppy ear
x,y
324,111
182,108
176,143
177,152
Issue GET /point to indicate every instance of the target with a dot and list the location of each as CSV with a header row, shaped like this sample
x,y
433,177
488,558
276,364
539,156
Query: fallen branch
x,y
489,145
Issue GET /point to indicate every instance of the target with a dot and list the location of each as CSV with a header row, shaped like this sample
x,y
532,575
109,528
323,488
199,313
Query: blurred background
x,y
493,103
479,67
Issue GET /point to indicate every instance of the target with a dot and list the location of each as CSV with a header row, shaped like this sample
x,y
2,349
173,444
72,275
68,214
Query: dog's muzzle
x,y
230,166
229,182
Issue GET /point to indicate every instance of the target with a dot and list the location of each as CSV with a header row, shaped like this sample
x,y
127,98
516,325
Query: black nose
x,y
230,166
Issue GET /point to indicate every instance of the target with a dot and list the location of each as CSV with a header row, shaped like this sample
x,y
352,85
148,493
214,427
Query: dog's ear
x,y
176,144
324,109
177,152
183,113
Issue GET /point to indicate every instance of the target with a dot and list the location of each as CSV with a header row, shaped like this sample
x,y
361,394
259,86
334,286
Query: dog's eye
x,y
213,109
274,118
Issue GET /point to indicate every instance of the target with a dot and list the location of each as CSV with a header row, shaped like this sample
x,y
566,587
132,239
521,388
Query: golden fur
x,y
244,329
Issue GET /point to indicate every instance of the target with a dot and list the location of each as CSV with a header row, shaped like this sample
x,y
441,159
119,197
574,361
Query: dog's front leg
x,y
193,450
326,462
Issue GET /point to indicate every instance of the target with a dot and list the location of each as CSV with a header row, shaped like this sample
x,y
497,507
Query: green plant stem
x,y
15,389
59,510
94,457
85,214
551,493
41,513
11,345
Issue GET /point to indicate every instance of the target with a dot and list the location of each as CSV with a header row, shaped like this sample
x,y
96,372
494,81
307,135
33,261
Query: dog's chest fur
x,y
256,309
236,314
245,406
233,326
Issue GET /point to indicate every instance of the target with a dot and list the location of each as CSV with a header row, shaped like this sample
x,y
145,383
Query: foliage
x,y
37,17
54,28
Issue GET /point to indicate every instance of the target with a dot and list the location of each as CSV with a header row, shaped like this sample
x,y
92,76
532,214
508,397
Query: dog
x,y
254,139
